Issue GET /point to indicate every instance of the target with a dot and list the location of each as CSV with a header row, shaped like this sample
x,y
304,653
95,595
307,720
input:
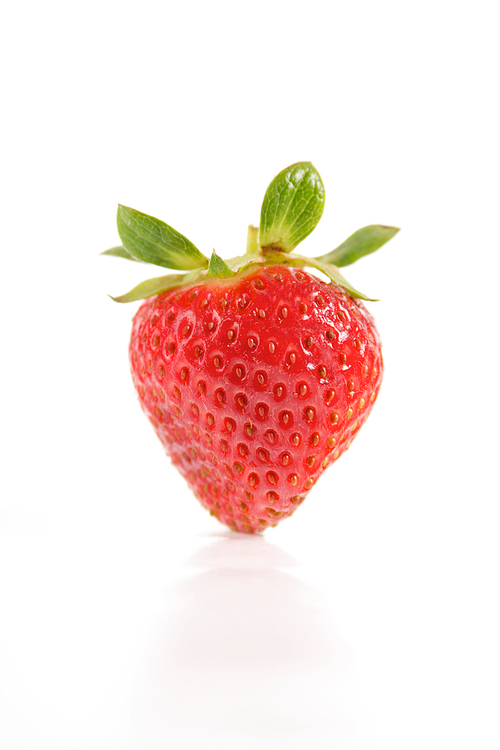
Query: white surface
x,y
129,619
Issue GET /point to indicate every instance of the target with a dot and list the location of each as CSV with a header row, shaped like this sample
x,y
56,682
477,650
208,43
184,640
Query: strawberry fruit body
x,y
255,374
255,385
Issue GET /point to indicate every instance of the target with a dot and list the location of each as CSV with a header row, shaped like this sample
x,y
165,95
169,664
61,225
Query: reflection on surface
x,y
244,655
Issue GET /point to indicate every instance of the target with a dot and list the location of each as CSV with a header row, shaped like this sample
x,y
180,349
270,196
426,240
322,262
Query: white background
x,y
129,619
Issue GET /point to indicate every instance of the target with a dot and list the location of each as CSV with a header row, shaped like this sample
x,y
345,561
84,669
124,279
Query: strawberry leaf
x,y
292,207
120,252
155,286
217,268
363,242
152,241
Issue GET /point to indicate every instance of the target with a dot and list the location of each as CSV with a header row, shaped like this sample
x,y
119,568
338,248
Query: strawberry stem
x,y
252,243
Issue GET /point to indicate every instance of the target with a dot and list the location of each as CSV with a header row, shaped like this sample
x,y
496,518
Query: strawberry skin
x,y
255,384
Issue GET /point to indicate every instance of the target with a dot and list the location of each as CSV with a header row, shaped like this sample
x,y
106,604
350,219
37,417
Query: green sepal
x,y
361,243
120,252
150,287
218,269
333,273
292,207
152,241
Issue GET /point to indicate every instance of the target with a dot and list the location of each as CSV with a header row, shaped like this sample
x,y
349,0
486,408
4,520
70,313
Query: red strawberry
x,y
255,374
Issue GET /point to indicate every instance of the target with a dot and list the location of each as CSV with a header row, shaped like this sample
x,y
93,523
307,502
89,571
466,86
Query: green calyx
x,y
292,206
291,209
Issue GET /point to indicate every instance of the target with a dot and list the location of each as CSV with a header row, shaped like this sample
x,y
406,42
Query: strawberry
x,y
255,374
